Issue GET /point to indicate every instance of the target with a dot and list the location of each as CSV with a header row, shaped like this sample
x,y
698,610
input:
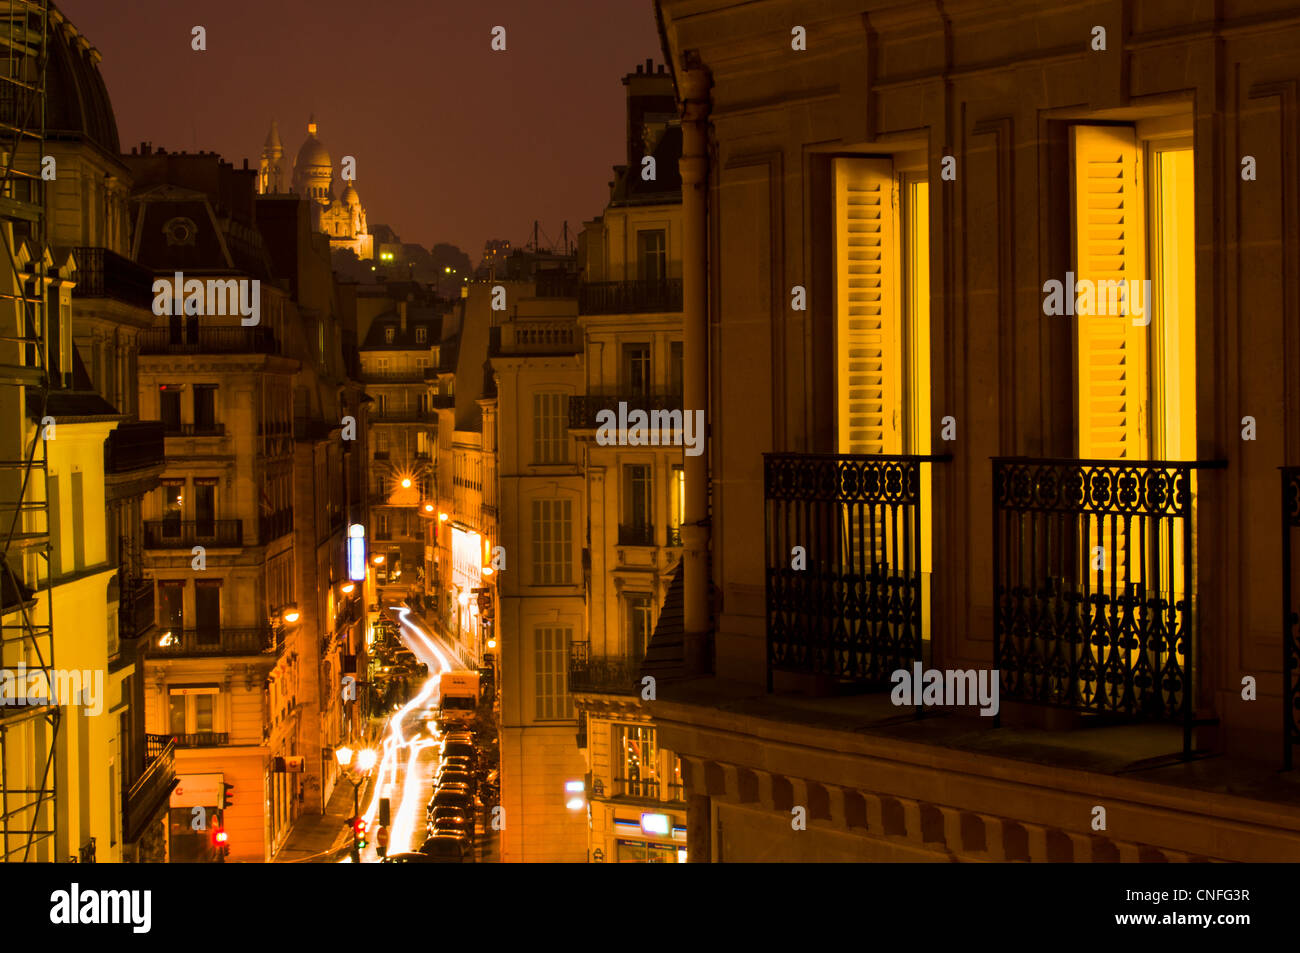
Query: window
x,y
550,428
636,369
173,498
171,603
636,500
390,333
552,542
381,441
205,506
78,520
652,255
193,709
868,352
639,608
207,612
169,407
552,662
676,505
675,368
205,408
636,761
421,335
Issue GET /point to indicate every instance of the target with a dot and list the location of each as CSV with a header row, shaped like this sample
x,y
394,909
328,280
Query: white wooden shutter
x,y
868,365
1109,243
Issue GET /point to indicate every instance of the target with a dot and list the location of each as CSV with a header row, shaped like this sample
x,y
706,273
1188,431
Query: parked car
x,y
456,764
456,787
453,749
448,848
453,776
408,858
457,799
449,819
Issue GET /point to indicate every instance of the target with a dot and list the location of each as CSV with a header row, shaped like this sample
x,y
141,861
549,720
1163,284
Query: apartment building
x,y
629,312
81,781
923,453
536,361
401,351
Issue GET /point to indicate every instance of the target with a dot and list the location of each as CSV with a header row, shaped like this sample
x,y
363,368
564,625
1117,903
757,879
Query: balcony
x,y
202,739
184,534
105,274
403,417
648,789
274,525
146,797
532,336
196,430
556,284
606,675
584,408
630,297
377,375
135,607
636,535
197,643
191,338
1093,580
134,445
854,612
1290,618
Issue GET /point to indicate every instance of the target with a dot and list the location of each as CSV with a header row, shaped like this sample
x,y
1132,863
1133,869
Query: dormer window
x,y
389,335
421,335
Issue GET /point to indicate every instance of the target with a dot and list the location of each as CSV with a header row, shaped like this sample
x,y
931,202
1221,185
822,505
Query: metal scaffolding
x,y
29,712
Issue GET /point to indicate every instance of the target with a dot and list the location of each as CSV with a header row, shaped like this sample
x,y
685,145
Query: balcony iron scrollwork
x,y
1094,582
854,611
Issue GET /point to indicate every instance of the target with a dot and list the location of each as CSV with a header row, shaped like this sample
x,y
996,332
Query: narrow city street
x,y
408,756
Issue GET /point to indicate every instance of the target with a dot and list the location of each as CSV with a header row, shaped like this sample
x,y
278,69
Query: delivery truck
x,y
458,698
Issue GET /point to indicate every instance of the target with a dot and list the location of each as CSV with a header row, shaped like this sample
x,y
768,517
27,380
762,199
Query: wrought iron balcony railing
x,y
854,611
202,739
135,607
584,407
182,534
1290,618
405,416
194,643
148,793
272,526
135,445
1094,578
636,535
186,337
609,675
630,297
196,430
105,274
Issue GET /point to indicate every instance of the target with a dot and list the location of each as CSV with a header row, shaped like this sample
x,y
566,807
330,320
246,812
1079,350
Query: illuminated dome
x,y
313,173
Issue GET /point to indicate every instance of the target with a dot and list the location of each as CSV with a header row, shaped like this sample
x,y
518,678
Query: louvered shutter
x,y
868,365
1109,245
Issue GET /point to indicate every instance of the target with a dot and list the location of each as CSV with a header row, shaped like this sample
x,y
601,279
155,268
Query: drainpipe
x,y
693,89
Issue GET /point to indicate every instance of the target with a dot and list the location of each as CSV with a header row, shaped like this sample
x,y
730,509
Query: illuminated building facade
x,y
902,427
630,315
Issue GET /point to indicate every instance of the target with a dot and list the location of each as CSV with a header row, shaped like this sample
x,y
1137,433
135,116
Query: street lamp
x,y
365,761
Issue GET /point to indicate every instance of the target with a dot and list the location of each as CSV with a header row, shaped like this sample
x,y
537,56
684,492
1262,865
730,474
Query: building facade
x,y
903,414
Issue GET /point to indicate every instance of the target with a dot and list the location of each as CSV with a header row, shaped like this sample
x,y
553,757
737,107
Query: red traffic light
x,y
219,837
358,825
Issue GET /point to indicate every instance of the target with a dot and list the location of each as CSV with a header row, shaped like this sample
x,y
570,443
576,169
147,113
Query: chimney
x,y
650,65
401,314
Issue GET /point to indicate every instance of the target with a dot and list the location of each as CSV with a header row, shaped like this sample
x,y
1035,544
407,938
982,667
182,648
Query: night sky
x,y
453,142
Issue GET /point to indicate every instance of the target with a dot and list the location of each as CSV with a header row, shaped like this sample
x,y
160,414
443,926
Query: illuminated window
x,y
421,335
677,505
636,761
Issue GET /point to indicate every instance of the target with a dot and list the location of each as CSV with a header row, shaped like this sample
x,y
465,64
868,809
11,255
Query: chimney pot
x,y
649,65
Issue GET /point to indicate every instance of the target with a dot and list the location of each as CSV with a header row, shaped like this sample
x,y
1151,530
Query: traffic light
x,y
221,840
359,831
226,791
